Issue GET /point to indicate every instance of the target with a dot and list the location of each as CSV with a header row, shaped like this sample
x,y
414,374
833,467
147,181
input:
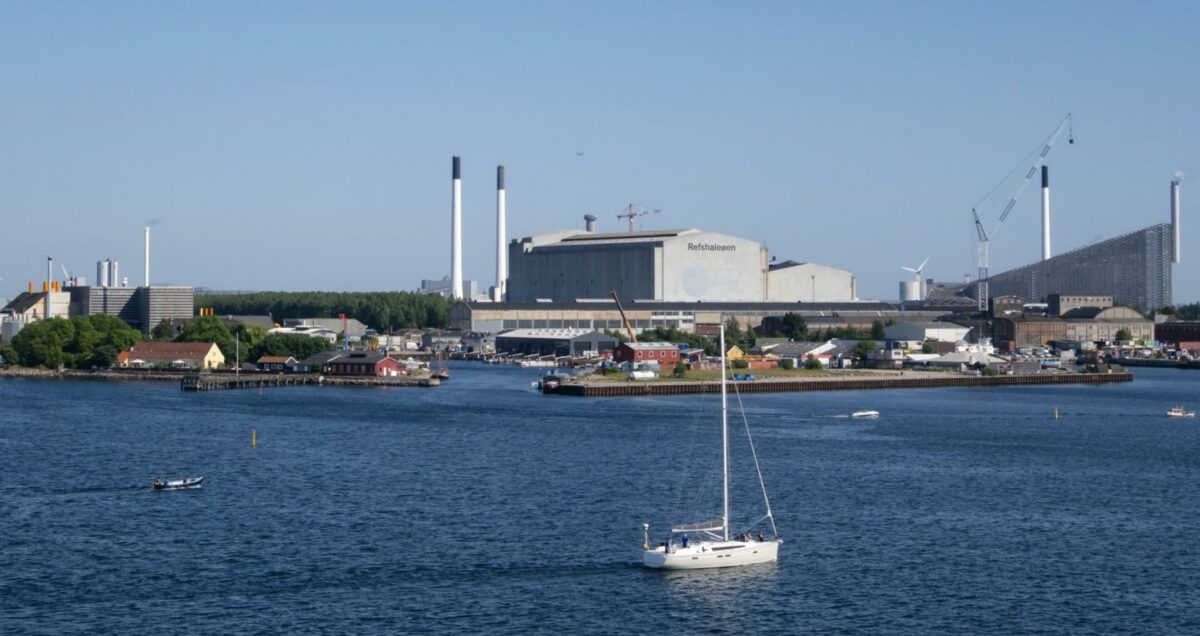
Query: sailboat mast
x,y
724,442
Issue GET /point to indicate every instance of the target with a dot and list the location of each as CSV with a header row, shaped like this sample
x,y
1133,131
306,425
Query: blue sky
x,y
305,146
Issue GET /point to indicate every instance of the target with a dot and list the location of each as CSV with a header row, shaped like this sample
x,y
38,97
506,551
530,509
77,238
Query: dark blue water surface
x,y
483,507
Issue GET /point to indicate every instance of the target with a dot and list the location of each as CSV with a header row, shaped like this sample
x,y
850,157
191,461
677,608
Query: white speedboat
x,y
865,414
716,547
176,484
1177,411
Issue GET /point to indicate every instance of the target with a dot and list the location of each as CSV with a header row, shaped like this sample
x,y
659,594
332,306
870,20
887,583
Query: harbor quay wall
x,y
584,389
191,381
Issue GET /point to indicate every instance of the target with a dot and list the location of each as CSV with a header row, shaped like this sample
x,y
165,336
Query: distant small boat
x,y
442,373
176,484
549,383
1179,412
865,414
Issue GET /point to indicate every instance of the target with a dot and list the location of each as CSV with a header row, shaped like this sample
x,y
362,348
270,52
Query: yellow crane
x,y
624,320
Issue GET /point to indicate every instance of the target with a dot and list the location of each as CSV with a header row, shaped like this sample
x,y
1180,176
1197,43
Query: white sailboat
x,y
715,547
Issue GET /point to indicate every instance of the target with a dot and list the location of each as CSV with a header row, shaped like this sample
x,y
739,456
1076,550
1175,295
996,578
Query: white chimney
x,y
501,239
147,256
102,273
1045,212
1175,219
589,222
49,285
456,232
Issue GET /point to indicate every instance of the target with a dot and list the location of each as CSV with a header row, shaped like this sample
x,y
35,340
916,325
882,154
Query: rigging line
x,y
686,456
753,453
755,523
1024,161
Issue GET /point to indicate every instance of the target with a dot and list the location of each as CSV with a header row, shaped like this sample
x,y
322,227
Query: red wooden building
x,y
362,363
664,353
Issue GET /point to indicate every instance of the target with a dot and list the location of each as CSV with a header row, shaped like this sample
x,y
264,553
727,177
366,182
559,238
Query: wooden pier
x,y
606,389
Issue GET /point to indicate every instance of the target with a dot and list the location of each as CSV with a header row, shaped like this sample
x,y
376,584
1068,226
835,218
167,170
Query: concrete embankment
x,y
77,374
614,389
1161,364
189,381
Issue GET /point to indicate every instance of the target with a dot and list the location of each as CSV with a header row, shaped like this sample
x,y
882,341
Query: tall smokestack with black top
x,y
1175,219
49,285
1045,212
456,231
501,239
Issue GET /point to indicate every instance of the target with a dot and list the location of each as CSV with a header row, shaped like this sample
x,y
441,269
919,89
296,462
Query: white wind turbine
x,y
919,272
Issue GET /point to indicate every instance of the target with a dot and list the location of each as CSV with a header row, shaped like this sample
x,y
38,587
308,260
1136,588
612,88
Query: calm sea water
x,y
483,507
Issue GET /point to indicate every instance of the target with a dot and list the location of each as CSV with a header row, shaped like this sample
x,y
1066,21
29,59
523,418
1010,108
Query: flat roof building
x,y
682,265
556,342
1134,269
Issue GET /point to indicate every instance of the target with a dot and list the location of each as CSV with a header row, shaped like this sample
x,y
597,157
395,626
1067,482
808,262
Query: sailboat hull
x,y
703,555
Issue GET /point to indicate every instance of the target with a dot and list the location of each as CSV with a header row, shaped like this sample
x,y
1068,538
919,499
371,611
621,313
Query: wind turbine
x,y
919,272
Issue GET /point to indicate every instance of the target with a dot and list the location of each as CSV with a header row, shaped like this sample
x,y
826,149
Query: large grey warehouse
x,y
686,265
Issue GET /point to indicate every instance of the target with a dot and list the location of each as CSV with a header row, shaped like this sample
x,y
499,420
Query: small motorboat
x,y
1178,411
865,414
549,383
176,484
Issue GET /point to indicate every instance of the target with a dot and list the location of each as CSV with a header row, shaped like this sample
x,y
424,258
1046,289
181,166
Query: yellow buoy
x,y
253,438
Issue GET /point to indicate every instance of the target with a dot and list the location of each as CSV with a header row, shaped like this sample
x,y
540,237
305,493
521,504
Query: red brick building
x,y
664,353
363,363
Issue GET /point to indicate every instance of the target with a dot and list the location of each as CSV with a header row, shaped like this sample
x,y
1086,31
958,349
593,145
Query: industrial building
x,y
1184,334
687,265
1073,318
142,307
1135,269
689,317
556,342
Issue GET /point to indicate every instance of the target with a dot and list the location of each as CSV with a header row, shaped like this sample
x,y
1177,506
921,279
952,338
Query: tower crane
x,y
985,237
633,211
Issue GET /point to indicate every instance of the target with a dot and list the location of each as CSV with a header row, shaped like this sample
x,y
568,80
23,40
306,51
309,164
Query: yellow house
x,y
174,355
735,353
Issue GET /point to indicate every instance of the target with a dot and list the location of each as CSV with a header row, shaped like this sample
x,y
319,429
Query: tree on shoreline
x,y
83,342
379,310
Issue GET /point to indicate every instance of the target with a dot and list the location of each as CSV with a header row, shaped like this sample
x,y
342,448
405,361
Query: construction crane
x,y
624,320
985,237
633,211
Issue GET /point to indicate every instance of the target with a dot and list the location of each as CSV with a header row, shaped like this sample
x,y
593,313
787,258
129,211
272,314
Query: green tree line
x,y
248,342
83,342
379,310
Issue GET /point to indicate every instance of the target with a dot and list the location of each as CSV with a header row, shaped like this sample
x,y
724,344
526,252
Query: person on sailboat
x,y
761,538
685,541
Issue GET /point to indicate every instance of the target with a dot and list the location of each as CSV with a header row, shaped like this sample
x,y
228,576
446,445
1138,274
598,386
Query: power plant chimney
x,y
147,256
589,222
102,273
49,285
1175,218
1045,212
501,239
456,232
